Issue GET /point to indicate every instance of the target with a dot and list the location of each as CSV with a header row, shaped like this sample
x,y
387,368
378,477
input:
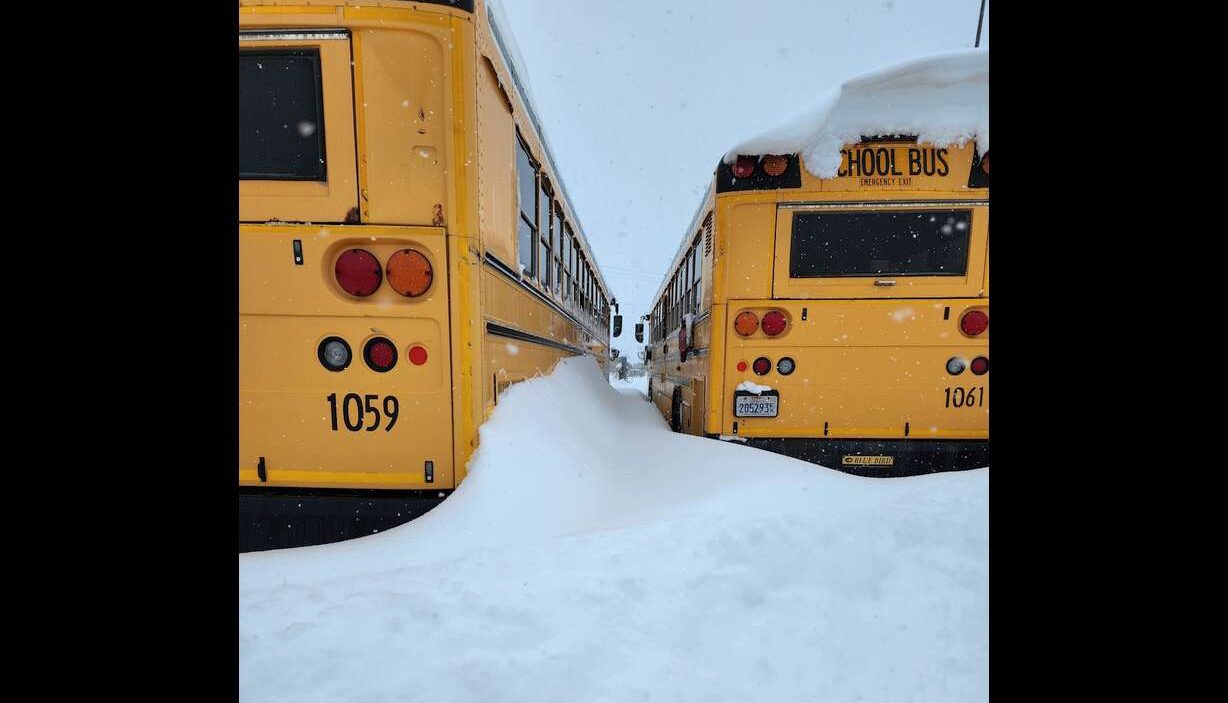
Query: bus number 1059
x,y
958,397
355,410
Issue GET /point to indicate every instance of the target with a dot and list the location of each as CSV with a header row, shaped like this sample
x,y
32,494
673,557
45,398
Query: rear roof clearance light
x,y
774,165
744,167
358,272
974,322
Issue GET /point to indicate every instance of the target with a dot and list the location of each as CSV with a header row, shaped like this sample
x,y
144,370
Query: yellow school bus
x,y
407,251
843,320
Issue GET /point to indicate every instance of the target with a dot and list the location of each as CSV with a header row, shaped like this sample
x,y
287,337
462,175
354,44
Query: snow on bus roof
x,y
942,99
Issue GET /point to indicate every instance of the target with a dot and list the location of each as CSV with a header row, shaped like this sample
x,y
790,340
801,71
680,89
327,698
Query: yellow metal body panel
x,y
420,131
284,412
870,359
864,369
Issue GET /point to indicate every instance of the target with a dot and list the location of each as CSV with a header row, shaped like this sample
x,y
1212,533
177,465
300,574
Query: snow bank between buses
x,y
942,99
593,555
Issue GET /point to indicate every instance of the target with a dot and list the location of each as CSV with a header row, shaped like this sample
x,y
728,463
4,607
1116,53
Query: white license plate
x,y
755,405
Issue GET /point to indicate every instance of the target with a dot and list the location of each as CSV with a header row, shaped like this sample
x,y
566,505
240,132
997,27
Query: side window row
x,y
683,294
548,250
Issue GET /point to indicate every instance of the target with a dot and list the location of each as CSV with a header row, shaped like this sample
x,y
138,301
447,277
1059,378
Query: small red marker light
x,y
417,355
741,366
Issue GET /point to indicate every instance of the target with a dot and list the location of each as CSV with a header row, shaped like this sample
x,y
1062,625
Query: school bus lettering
x,y
885,163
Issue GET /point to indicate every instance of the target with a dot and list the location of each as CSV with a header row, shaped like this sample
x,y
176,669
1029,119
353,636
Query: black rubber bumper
x,y
273,519
867,457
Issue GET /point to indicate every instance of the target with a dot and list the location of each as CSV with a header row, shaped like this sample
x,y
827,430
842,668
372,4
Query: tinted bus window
x,y
928,243
281,116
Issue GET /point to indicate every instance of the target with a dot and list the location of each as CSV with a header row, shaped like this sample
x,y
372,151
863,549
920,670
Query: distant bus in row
x,y
407,251
843,321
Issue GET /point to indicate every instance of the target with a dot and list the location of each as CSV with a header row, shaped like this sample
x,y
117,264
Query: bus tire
x,y
675,413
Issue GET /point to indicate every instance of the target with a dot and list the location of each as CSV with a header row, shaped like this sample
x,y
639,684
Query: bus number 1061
x,y
958,397
356,409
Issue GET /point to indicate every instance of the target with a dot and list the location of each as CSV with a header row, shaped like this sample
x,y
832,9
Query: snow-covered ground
x,y
592,555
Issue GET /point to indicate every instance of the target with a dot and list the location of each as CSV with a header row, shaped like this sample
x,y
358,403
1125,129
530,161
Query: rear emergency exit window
x,y
281,115
895,243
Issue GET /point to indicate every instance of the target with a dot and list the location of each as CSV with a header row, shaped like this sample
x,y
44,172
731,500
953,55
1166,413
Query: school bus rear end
x,y
861,302
354,286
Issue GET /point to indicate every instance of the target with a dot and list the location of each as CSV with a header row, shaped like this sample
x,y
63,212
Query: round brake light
x,y
380,354
745,323
980,365
762,365
358,272
409,273
744,167
774,322
974,322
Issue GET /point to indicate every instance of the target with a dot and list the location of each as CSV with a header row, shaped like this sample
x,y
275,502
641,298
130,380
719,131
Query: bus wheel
x,y
675,414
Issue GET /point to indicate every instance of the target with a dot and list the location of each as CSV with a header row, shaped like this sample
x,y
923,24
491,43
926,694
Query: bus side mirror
x,y
639,332
618,325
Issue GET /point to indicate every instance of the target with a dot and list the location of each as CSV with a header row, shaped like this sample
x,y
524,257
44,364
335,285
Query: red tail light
x,y
763,365
744,167
774,323
980,365
380,354
974,322
358,272
745,323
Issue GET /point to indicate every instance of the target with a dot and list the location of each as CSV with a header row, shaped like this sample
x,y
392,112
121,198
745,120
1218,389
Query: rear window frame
x,y
320,175
967,247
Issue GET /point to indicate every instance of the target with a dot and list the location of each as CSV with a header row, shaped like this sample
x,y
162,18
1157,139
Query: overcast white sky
x,y
640,98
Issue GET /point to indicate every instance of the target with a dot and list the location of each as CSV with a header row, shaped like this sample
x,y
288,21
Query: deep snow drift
x,y
942,99
592,555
